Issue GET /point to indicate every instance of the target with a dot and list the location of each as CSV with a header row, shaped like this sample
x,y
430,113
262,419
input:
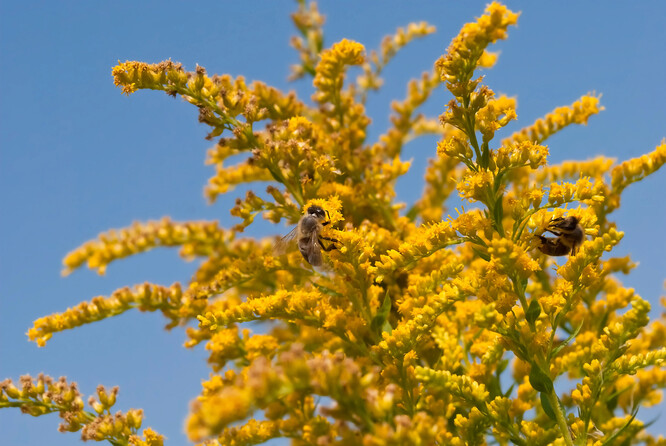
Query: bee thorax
x,y
309,223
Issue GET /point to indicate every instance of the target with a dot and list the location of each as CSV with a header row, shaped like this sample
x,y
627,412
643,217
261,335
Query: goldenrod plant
x,y
420,327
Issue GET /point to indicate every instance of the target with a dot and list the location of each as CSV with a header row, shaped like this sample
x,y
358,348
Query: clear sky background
x,y
78,158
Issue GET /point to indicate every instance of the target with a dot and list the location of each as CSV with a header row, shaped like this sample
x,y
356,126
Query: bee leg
x,y
553,232
330,247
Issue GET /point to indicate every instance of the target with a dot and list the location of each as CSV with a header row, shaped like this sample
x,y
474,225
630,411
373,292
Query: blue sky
x,y
78,158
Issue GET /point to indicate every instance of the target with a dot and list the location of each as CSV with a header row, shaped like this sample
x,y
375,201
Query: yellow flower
x,y
511,257
524,400
226,178
583,190
467,49
406,334
460,386
370,80
403,334
577,113
581,395
494,115
636,169
594,168
590,251
472,223
441,178
146,297
195,238
521,154
330,69
309,22
45,395
554,302
474,186
455,146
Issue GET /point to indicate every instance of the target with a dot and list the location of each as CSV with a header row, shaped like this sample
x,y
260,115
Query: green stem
x,y
560,315
471,133
210,104
559,416
521,296
386,213
492,204
408,391
277,175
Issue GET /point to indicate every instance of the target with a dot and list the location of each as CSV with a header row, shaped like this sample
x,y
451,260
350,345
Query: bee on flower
x,y
308,236
570,235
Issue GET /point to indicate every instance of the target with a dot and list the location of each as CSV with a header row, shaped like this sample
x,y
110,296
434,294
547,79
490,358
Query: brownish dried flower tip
x,y
45,395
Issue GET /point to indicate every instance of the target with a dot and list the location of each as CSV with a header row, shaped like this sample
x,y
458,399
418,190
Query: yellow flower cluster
x,y
583,190
132,75
409,332
636,169
467,49
371,80
423,243
308,22
590,252
577,113
278,389
43,395
441,177
252,205
405,332
511,258
460,386
403,119
524,153
494,115
309,306
594,168
224,103
240,268
194,238
630,364
226,178
330,71
474,186
146,297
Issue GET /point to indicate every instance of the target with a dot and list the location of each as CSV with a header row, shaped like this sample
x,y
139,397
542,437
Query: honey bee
x,y
308,236
570,236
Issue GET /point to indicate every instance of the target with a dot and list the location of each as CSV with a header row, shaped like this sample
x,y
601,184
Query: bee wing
x,y
313,250
282,245
565,224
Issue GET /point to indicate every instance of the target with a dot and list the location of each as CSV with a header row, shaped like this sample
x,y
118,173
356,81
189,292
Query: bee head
x,y
317,211
570,219
562,222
